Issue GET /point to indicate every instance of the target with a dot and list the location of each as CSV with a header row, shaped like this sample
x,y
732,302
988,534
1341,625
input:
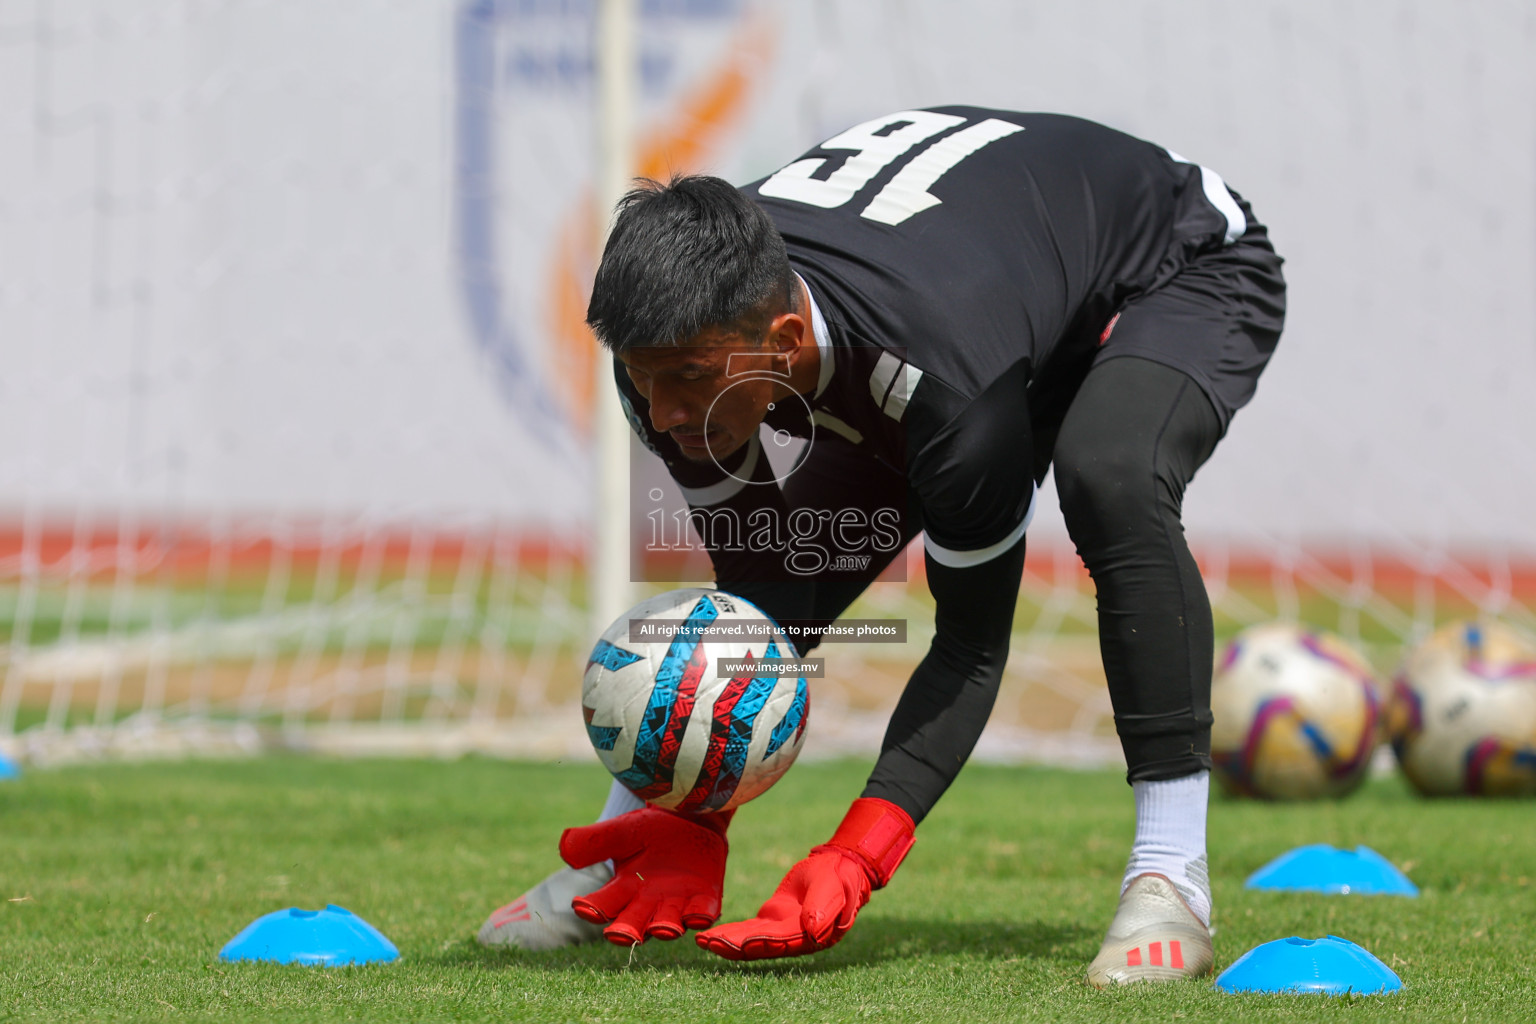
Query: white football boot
x,y
1154,937
542,919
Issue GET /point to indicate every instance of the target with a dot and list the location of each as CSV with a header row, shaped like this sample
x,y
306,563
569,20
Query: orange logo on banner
x,y
683,143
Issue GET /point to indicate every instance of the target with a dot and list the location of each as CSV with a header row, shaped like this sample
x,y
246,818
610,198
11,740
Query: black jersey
x,y
964,266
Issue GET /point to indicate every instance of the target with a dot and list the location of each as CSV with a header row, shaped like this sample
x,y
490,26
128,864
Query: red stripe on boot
x,y
517,910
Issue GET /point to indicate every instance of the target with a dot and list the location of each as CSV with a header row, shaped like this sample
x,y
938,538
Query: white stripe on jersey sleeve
x,y
901,391
966,559
882,377
714,494
891,385
1216,193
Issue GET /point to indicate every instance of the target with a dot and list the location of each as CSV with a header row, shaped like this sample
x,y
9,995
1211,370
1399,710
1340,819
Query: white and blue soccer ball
x,y
1295,714
1462,715
670,725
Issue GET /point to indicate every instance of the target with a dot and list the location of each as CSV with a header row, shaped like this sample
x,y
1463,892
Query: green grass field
x,y
121,883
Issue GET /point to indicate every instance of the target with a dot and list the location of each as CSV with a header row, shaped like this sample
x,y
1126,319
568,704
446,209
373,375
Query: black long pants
x,y
1131,441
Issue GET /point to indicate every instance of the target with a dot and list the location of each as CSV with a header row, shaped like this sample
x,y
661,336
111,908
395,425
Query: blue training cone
x,y
8,769
1321,868
1328,966
332,937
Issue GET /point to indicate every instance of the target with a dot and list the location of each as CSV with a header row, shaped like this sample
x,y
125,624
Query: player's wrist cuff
x,y
716,821
879,834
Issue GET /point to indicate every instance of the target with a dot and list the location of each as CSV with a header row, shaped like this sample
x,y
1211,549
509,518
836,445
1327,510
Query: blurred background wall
x,y
330,258
295,396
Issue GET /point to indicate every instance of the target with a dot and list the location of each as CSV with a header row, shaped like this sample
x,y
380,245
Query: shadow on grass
x,y
873,941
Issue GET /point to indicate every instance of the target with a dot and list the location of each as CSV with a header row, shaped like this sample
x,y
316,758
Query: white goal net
x,y
293,419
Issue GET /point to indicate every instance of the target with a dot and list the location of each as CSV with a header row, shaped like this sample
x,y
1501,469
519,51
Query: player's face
x,y
710,394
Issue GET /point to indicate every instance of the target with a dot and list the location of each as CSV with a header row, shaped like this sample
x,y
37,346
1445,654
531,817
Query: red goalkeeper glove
x,y
668,872
816,903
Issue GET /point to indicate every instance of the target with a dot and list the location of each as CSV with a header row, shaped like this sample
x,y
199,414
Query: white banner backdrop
x,y
277,256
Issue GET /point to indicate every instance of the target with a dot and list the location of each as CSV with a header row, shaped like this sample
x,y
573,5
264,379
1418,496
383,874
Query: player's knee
x,y
1105,493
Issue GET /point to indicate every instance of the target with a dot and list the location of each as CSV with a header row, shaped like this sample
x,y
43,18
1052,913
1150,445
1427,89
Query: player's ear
x,y
788,332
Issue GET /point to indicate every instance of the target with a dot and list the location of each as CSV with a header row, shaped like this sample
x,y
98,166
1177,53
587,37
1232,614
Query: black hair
x,y
689,255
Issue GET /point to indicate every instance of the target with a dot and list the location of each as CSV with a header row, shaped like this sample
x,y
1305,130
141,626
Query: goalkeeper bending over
x,y
959,298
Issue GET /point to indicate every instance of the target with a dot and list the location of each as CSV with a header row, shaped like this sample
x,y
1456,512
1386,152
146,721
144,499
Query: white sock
x,y
621,800
1170,837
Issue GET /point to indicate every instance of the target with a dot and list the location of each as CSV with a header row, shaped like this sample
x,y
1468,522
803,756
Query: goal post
x,y
618,82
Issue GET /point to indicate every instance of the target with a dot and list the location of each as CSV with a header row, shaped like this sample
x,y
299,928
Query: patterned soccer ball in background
x,y
1295,714
667,725
1462,713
